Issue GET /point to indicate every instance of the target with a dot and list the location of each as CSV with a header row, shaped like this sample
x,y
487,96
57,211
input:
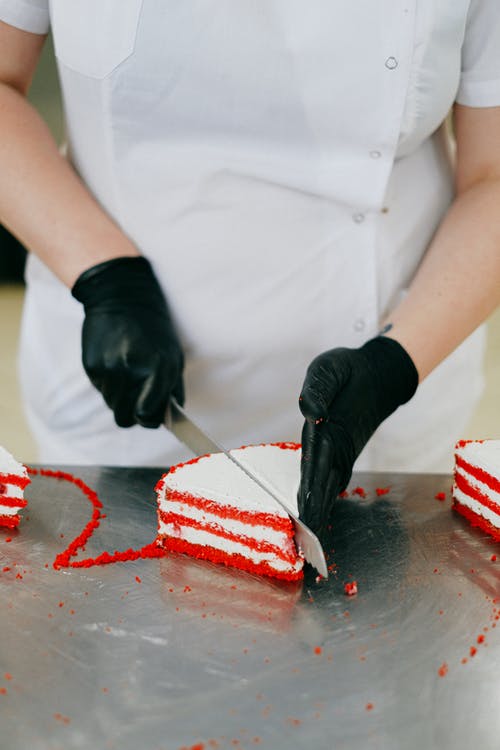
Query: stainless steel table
x,y
175,653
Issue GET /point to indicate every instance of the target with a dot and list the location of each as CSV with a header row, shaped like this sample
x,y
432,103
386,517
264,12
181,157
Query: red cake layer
x,y
475,493
12,502
492,482
288,555
10,522
476,520
204,552
21,482
231,512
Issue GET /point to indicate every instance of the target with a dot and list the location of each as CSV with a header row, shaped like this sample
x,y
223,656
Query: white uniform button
x,y
359,325
375,154
358,218
391,63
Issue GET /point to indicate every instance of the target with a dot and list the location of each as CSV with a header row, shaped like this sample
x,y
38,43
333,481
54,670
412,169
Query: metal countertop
x,y
171,653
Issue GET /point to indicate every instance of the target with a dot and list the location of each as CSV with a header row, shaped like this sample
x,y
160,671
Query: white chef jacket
x,y
283,166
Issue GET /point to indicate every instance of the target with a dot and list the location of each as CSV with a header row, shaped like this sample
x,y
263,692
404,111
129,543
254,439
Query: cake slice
x,y
476,487
13,479
209,508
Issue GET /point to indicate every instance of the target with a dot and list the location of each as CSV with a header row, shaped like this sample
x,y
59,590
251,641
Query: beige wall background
x,y
14,432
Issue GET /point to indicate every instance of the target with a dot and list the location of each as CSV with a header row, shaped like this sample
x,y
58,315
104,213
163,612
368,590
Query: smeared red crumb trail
x,y
63,559
440,496
318,649
351,588
369,706
443,670
382,490
63,719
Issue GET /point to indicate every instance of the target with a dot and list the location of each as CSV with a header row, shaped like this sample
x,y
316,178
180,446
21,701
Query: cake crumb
x,y
441,496
359,491
443,670
318,650
351,588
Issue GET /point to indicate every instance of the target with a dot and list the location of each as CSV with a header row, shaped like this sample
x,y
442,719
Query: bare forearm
x,y
42,200
458,283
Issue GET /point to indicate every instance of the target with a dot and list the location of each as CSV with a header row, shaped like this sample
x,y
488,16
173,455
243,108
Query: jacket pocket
x,y
93,37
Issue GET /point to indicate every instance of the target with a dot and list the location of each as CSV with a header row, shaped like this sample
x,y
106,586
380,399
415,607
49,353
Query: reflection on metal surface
x,y
174,652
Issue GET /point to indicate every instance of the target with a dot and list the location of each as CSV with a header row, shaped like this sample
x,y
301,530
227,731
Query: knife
x,y
188,432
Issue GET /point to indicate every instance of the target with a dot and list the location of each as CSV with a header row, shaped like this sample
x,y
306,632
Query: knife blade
x,y
188,432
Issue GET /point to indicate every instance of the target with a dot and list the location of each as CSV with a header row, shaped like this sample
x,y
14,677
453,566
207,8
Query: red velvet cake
x,y
13,479
210,509
476,487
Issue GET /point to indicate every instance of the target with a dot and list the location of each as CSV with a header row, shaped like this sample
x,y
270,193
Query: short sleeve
x,y
480,78
28,15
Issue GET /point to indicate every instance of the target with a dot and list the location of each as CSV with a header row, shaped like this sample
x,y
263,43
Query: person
x,y
254,191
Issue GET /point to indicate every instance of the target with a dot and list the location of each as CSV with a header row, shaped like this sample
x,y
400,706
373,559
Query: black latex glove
x,y
346,394
130,350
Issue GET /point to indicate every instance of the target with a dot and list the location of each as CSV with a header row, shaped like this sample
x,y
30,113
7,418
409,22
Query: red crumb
x,y
369,706
351,588
440,496
138,579
61,604
480,639
359,491
493,558
3,691
187,589
443,670
6,569
382,490
61,718
473,650
294,722
7,676
105,690
318,649
9,539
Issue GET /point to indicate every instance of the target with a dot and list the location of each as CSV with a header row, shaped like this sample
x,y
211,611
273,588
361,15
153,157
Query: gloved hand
x,y
130,350
346,394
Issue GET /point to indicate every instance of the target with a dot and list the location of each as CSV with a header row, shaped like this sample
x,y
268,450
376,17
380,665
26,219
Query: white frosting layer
x,y
12,491
9,465
485,455
8,510
198,536
480,486
259,533
216,478
477,507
